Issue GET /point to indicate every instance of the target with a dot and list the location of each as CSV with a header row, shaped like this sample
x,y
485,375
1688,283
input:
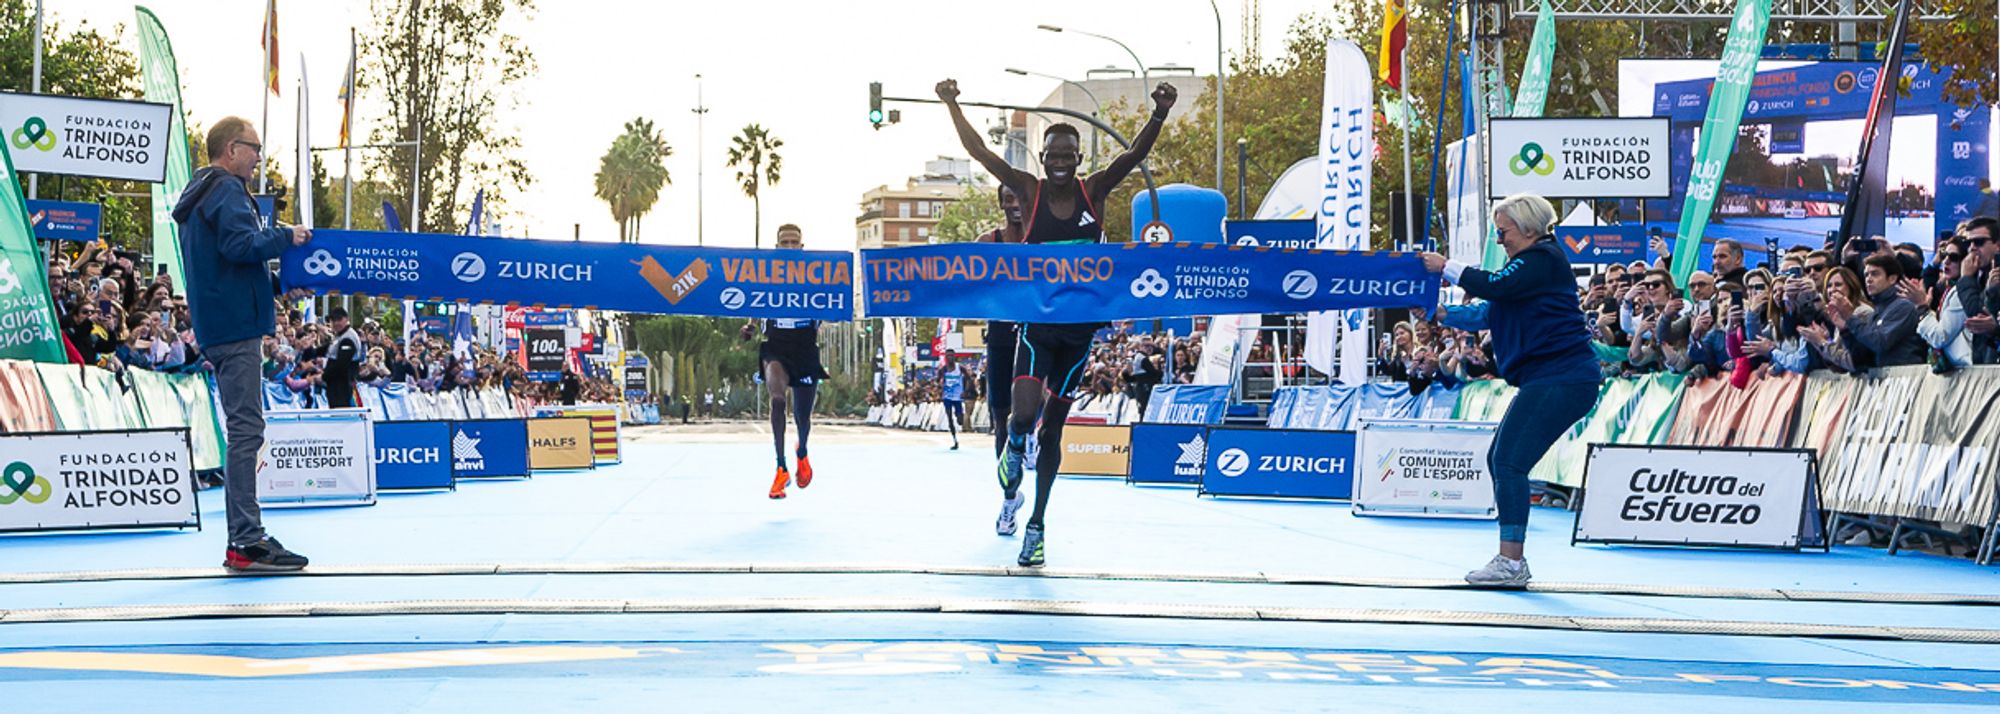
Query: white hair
x,y
1530,213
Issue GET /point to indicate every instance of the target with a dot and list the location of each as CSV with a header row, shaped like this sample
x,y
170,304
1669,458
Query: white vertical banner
x,y
1466,196
302,195
1218,349
1346,152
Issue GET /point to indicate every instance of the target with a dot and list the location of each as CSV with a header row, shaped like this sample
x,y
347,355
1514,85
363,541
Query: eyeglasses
x,y
1702,284
1951,256
254,147
1815,268
1758,287
1980,242
1653,284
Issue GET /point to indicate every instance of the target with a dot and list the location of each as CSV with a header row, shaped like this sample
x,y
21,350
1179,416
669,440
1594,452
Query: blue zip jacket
x,y
224,247
1538,331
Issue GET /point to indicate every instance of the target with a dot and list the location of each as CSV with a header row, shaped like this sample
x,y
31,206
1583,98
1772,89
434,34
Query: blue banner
x,y
546,319
1602,244
489,448
1299,234
1102,283
1282,463
1167,453
726,282
65,220
1187,404
412,454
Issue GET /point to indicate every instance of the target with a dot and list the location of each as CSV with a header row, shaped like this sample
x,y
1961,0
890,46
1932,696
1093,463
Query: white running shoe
x,y
1005,525
1501,572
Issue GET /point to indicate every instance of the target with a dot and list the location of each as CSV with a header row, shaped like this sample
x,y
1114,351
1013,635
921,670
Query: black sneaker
x,y
1031,548
264,556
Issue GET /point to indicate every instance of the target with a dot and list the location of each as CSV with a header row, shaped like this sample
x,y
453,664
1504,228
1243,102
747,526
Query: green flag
x,y
163,85
1530,100
27,319
1718,131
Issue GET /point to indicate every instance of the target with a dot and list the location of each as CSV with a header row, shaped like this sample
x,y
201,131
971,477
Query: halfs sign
x,y
1429,468
86,137
1096,449
1696,496
90,480
318,457
1581,158
560,443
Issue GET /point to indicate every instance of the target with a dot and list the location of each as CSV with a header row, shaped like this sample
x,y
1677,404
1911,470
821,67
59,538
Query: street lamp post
x,y
700,184
1098,110
1145,77
1218,94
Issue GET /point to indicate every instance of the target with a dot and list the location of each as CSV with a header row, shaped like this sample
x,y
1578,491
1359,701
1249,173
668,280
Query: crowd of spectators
x,y
1868,305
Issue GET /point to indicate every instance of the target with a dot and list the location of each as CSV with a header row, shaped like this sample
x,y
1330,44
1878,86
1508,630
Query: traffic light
x,y
875,104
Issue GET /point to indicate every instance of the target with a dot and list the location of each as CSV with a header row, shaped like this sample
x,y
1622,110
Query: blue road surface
x,y
670,583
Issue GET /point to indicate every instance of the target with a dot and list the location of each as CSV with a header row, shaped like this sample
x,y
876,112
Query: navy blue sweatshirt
x,y
1538,331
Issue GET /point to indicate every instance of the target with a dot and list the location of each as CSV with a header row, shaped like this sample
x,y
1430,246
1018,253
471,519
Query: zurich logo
x,y
1247,241
1300,284
1149,284
1232,462
322,263
732,299
1753,106
468,267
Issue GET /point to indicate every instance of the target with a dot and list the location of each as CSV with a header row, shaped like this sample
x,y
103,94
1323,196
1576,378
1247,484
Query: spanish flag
x,y
270,43
347,100
1395,34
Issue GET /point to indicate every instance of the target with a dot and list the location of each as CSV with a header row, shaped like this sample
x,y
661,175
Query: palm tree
x,y
631,173
756,151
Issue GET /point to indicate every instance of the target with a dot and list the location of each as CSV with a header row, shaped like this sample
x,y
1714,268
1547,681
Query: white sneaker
x,y
1501,572
1005,525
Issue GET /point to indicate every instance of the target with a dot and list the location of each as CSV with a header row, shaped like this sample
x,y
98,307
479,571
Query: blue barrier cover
x,y
1285,463
1101,283
489,448
1167,453
412,454
727,282
1187,404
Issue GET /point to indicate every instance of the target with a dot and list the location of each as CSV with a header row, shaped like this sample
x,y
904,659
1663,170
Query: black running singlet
x,y
791,331
1044,227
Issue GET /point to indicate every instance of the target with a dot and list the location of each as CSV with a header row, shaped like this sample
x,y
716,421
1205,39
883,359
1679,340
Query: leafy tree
x,y
631,173
446,68
975,213
1965,44
755,154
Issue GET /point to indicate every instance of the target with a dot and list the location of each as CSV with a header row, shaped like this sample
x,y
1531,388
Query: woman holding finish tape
x,y
1540,345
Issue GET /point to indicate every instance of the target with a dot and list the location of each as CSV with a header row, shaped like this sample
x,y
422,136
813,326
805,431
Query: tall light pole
x,y
1218,95
700,189
1145,78
1097,111
35,86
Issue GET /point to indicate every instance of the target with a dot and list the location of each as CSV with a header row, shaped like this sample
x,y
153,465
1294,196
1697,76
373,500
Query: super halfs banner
x,y
726,282
1097,283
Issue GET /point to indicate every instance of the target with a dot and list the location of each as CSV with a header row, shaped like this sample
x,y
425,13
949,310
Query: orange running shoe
x,y
805,472
779,483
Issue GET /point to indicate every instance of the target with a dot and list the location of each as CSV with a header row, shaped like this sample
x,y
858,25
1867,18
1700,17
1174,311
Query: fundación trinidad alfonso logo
x,y
1149,284
9,282
1532,159
19,482
35,133
322,263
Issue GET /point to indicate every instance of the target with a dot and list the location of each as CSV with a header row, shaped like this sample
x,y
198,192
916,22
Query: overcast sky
x,y
799,67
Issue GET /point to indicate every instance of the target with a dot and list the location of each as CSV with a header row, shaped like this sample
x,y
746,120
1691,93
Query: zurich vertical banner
x,y
1346,156
1101,283
1718,132
724,282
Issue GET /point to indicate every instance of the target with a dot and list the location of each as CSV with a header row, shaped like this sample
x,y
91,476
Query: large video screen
x,y
1796,150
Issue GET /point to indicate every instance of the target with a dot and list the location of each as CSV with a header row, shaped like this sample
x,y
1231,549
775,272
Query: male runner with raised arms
x,y
790,356
1065,210
1002,339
